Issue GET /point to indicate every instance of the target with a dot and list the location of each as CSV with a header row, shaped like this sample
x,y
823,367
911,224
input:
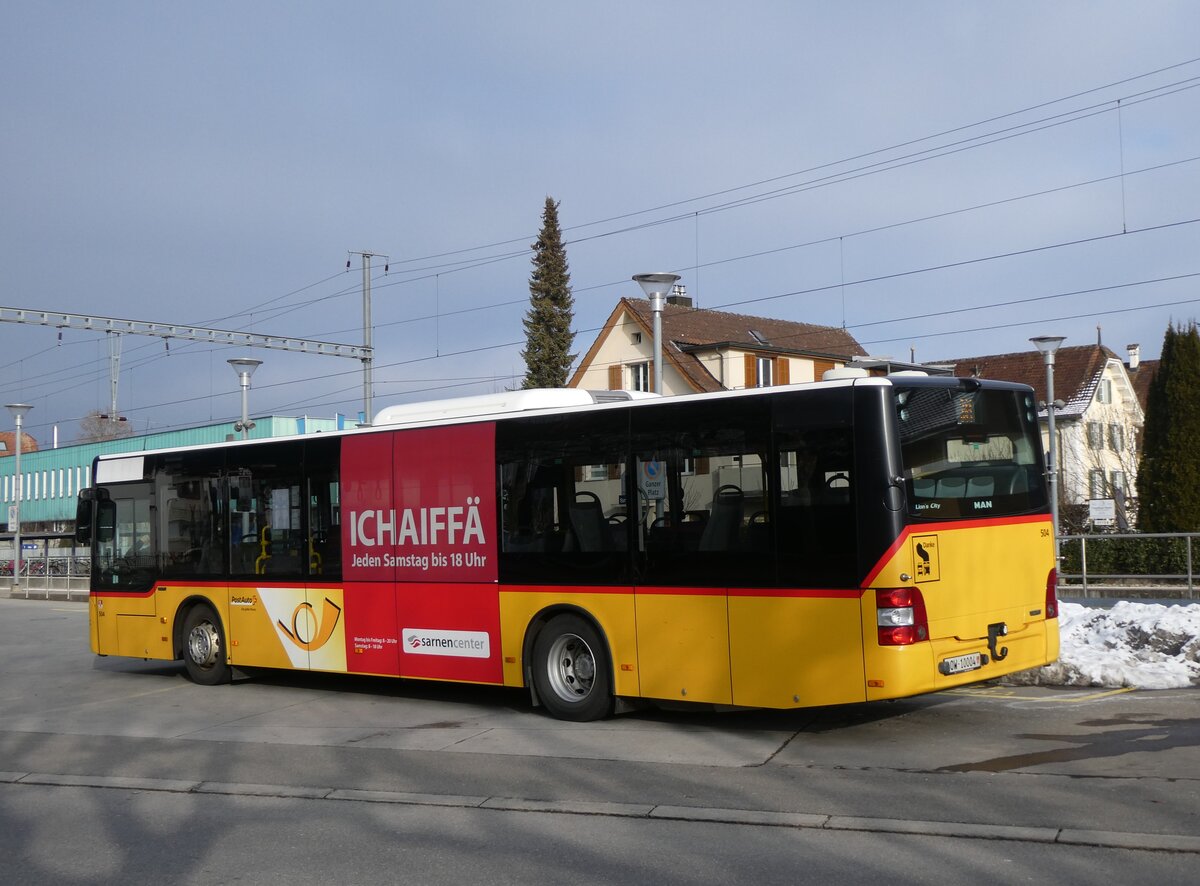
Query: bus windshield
x,y
970,453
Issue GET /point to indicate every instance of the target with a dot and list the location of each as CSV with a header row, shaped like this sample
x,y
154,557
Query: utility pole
x,y
366,295
114,373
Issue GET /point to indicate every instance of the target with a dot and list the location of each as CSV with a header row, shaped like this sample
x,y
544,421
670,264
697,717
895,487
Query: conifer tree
x,y
548,335
1169,473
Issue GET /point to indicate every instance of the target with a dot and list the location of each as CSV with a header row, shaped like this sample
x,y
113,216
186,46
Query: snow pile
x,y
1138,645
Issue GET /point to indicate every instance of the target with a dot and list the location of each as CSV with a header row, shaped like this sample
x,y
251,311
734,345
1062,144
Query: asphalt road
x,y
117,769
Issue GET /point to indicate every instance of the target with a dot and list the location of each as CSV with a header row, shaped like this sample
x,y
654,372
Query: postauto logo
x,y
458,644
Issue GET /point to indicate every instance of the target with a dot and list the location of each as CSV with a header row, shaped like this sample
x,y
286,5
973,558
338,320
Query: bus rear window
x,y
970,453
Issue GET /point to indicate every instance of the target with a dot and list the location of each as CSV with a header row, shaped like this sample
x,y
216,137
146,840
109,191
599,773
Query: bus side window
x,y
106,522
563,501
816,525
528,507
702,481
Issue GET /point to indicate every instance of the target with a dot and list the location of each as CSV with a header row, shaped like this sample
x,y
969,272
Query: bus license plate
x,y
961,663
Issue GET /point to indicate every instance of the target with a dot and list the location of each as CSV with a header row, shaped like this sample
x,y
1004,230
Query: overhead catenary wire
x,y
262,314
965,144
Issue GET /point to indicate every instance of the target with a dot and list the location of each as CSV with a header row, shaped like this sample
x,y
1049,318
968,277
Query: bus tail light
x,y
900,615
1052,594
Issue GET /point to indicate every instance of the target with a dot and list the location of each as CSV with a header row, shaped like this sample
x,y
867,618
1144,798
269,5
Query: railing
x,y
51,573
1129,565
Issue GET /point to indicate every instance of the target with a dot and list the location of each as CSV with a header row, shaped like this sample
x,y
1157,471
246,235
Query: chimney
x,y
679,296
1135,356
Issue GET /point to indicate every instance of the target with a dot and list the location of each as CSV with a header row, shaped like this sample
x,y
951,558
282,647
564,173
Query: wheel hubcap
x,y
571,667
204,645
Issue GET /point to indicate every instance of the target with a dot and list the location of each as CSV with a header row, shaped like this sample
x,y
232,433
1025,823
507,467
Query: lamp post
x,y
17,410
244,367
656,287
1048,345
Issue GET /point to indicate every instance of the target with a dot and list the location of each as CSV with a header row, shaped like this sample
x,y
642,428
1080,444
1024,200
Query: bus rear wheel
x,y
204,647
571,670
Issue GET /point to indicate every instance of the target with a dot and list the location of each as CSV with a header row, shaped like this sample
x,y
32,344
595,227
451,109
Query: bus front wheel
x,y
204,647
571,670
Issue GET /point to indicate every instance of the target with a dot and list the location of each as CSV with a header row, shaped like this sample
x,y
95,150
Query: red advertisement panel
x,y
366,489
450,632
436,521
372,641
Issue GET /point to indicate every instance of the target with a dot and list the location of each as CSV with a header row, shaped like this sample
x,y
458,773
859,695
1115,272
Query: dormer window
x,y
765,367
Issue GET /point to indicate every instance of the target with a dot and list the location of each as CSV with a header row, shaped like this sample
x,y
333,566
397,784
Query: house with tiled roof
x,y
705,351
8,443
1099,424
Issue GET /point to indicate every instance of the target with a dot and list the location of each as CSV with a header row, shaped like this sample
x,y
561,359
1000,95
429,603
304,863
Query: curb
x,y
751,817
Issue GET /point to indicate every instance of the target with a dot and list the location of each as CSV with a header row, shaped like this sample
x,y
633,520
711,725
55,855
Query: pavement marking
x,y
1185,843
1001,693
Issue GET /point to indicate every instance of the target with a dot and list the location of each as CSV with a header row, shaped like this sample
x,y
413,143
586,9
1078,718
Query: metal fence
x,y
50,573
1128,565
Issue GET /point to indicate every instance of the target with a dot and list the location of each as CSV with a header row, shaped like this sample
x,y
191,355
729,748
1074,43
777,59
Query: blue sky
x,y
214,163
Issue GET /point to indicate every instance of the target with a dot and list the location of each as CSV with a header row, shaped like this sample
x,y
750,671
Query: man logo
x,y
308,632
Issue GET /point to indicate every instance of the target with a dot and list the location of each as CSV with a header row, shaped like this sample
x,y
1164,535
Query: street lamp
x,y
1048,345
17,410
656,287
244,367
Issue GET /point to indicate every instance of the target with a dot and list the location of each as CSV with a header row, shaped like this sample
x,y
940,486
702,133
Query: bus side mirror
x,y
106,521
83,516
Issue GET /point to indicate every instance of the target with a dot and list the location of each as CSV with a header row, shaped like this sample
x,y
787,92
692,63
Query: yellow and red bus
x,y
842,541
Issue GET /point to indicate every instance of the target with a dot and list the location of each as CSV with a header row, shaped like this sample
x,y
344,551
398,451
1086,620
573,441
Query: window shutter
x,y
614,377
701,464
782,370
820,367
751,371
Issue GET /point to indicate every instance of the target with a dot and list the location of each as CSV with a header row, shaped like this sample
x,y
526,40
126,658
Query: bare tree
x,y
96,427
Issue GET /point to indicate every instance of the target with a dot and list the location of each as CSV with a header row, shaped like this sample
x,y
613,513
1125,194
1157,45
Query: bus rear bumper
x,y
903,671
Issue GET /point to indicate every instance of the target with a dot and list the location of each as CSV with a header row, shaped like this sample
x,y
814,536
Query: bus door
x,y
123,572
800,642
275,619
700,472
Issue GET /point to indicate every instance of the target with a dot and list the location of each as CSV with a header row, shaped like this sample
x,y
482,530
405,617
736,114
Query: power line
x,y
827,165
1088,314
1020,129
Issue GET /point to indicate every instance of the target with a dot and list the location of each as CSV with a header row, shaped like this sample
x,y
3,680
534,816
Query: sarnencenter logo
x,y
459,644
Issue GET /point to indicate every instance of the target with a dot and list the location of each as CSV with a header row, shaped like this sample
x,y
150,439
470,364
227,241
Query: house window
x,y
639,377
1104,391
595,472
1117,479
1096,485
1116,437
1095,435
764,370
